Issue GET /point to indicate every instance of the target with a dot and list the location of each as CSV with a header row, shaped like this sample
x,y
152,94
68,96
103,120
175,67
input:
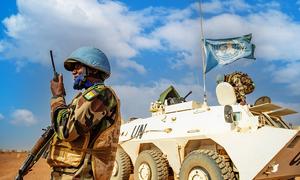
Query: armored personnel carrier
x,y
188,140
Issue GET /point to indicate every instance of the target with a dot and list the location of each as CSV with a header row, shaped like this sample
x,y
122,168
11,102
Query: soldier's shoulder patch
x,y
90,94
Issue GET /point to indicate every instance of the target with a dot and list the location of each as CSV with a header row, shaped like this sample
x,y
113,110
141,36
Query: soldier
x,y
86,130
241,83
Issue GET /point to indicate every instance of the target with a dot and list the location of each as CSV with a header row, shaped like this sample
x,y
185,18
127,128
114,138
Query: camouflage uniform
x,y
242,85
87,132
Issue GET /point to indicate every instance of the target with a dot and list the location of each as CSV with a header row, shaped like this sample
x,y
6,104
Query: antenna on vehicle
x,y
203,57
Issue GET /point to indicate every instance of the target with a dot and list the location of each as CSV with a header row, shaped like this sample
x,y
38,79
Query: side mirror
x,y
228,114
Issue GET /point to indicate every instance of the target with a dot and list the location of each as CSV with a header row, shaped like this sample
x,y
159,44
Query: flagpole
x,y
203,56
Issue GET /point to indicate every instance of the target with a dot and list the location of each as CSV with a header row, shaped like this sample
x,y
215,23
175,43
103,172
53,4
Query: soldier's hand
x,y
57,87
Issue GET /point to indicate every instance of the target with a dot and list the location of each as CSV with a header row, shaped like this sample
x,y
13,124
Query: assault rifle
x,y
42,145
39,149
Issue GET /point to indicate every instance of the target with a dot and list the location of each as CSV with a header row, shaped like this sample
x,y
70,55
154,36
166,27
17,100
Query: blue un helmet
x,y
91,57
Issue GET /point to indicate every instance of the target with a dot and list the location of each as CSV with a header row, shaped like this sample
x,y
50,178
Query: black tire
x,y
154,161
208,164
123,166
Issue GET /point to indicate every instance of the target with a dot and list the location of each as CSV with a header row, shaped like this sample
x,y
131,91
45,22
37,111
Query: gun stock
x,y
36,152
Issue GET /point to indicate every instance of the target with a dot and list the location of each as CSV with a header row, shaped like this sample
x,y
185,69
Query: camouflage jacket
x,y
87,127
241,83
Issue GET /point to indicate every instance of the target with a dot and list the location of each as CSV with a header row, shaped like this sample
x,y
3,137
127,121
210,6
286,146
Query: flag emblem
x,y
226,51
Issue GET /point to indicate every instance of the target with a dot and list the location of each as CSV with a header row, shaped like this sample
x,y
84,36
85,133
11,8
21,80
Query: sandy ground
x,y
10,162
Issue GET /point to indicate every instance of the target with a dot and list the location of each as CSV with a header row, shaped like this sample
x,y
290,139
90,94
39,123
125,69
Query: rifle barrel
x,y
187,95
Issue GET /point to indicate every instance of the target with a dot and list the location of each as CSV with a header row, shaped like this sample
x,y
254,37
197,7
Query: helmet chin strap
x,y
81,81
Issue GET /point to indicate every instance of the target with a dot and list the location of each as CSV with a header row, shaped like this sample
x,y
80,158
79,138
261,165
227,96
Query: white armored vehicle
x,y
189,141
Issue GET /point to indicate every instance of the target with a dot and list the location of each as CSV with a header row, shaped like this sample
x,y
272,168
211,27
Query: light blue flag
x,y
226,51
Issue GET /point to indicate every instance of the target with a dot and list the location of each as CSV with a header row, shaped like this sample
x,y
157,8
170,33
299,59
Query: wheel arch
x,y
147,146
208,144
124,150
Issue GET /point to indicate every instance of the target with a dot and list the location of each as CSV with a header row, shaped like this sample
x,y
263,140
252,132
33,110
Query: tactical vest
x,y
105,147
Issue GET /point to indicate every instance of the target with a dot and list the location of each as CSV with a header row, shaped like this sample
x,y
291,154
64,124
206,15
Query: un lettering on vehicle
x,y
138,131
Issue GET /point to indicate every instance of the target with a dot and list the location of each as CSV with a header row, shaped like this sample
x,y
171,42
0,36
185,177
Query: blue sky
x,y
151,45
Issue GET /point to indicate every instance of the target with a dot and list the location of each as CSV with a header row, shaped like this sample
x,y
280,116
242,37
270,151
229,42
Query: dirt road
x,y
10,162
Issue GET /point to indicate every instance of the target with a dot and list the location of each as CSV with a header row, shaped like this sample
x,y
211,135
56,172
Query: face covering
x,y
81,82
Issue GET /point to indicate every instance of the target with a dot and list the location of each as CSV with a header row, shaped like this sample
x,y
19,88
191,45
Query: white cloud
x,y
125,63
67,25
269,5
23,117
212,7
289,75
1,116
180,35
218,6
136,99
181,14
122,33
271,30
236,5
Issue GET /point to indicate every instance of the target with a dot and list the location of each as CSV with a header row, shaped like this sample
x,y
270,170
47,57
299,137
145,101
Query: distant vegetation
x,y
13,151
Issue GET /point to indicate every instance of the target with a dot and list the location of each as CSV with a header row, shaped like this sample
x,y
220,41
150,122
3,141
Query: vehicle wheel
x,y
151,165
123,166
206,165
